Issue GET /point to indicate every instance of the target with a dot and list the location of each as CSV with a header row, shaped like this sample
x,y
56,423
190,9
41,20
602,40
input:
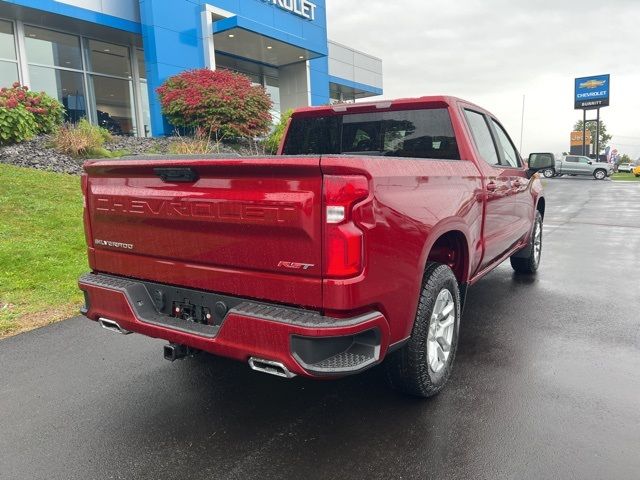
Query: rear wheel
x,y
422,367
549,173
600,174
528,260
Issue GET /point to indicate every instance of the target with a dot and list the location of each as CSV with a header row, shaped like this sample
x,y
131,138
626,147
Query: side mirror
x,y
540,161
590,162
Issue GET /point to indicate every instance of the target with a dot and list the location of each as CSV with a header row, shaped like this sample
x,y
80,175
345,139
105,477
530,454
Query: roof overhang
x,y
240,37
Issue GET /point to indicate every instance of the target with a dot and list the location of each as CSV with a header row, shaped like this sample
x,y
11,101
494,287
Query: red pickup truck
x,y
354,245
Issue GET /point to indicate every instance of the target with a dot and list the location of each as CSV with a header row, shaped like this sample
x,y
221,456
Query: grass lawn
x,y
42,248
625,176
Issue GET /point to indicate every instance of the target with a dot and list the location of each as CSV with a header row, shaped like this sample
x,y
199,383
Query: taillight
x,y
344,241
84,180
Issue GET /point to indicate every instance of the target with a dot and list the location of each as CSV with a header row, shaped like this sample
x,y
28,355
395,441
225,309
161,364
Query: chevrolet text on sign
x,y
302,8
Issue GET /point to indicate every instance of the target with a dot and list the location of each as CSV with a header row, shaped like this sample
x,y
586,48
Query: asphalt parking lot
x,y
546,385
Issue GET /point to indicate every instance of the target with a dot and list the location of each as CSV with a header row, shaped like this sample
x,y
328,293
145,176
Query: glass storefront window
x,y
46,47
108,59
66,86
114,104
8,73
8,68
7,42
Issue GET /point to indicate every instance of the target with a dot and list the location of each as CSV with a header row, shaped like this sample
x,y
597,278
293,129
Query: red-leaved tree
x,y
222,102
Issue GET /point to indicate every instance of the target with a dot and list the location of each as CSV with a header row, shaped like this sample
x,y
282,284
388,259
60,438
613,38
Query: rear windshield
x,y
409,133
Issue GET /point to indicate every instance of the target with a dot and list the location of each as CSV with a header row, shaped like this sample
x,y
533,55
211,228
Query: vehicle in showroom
x,y
354,245
579,165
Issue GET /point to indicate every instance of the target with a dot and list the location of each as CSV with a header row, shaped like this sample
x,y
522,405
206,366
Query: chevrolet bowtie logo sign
x,y
593,84
592,92
302,8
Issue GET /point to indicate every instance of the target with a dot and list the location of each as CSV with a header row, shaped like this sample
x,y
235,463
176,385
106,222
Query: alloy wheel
x,y
441,328
537,242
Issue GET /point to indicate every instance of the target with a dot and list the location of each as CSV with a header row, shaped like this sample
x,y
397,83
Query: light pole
x,y
522,123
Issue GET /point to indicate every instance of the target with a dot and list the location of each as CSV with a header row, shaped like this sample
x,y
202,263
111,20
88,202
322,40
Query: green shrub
x,y
17,124
24,114
82,140
49,112
221,102
273,142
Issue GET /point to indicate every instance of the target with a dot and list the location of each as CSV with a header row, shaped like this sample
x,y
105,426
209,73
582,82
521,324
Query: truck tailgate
x,y
244,226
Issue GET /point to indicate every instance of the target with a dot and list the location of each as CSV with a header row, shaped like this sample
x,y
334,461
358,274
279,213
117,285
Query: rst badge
x,y
295,265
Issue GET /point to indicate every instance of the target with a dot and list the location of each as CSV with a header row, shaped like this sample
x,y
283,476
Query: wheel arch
x,y
449,245
541,206
449,234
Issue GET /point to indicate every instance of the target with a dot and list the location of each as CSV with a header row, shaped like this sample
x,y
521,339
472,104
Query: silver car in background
x,y
574,165
579,165
626,167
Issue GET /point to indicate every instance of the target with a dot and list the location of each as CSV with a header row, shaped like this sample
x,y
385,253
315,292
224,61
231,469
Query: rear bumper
x,y
306,342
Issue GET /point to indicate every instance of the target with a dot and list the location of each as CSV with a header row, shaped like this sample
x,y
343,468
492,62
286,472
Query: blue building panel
x,y
175,48
184,19
288,23
319,81
228,5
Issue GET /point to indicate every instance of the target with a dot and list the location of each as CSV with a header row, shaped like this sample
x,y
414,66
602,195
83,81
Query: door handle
x,y
491,186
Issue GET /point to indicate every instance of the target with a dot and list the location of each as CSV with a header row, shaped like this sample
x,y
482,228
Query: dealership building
x,y
103,59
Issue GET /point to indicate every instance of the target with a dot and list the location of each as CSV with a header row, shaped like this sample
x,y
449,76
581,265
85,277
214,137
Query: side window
x,y
571,159
509,152
482,137
583,159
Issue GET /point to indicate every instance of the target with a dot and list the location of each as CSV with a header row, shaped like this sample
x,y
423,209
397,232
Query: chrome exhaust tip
x,y
113,326
270,367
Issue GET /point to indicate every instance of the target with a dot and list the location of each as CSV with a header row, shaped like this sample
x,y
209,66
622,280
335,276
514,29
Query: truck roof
x,y
401,103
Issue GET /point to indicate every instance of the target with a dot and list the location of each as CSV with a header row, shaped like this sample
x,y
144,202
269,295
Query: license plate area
x,y
191,306
193,313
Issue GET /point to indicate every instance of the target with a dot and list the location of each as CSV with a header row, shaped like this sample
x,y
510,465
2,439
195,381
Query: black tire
x,y
549,173
408,369
600,174
528,260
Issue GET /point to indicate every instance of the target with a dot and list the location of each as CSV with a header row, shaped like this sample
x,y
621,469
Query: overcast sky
x,y
492,52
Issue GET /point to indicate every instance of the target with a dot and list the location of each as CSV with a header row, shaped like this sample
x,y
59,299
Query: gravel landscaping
x,y
37,154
